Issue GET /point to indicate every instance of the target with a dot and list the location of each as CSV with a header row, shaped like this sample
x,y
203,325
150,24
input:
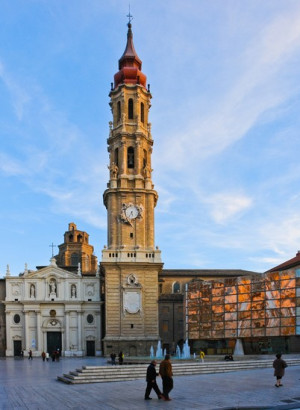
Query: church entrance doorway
x,y
53,342
90,348
17,347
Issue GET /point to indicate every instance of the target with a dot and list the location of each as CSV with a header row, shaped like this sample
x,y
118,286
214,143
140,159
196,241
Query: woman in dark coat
x,y
165,370
279,366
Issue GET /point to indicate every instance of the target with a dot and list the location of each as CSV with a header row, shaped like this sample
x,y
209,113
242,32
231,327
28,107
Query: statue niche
x,y
53,287
73,291
32,291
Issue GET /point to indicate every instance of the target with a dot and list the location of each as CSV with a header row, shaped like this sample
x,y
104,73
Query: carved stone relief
x,y
90,289
131,301
16,289
132,295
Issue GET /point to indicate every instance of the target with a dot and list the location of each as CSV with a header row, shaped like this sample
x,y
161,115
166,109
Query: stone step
x,y
104,374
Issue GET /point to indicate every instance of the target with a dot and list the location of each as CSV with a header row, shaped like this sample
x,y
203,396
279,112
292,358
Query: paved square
x,y
26,384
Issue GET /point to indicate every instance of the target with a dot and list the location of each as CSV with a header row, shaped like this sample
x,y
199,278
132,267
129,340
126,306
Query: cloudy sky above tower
x,y
225,81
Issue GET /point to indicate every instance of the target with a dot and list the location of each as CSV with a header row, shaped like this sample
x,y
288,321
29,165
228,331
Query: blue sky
x,y
225,116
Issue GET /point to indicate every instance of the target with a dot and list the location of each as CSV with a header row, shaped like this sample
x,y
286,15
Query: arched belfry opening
x,y
130,157
130,109
116,158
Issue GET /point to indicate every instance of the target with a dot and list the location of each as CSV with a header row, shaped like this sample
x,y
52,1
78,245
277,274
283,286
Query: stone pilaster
x,y
67,332
26,331
39,342
79,327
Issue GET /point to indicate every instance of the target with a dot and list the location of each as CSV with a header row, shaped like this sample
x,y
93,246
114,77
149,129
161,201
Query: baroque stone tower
x,y
76,249
130,262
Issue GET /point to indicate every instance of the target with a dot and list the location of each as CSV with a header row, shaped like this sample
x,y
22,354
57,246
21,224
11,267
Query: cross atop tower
x,y
130,17
52,246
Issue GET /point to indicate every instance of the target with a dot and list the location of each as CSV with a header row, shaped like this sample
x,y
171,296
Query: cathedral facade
x,y
56,308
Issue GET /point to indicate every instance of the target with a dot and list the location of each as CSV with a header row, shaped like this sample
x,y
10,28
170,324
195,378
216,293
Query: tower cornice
x,y
117,135
126,191
120,88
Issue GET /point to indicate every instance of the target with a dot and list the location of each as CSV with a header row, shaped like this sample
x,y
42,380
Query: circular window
x,y
90,318
17,318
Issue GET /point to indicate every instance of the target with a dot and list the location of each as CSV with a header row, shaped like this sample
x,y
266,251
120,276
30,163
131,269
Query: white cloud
x,y
225,206
269,261
11,167
264,79
53,156
18,96
282,233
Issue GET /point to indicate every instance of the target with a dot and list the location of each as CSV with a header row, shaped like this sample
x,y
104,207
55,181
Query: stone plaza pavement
x,y
26,384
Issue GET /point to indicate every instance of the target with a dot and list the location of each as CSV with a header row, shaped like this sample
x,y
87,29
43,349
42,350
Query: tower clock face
x,y
131,212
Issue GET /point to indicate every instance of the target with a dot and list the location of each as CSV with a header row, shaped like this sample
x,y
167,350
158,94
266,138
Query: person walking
x,y
43,356
279,369
30,355
202,355
151,381
165,370
113,358
47,356
121,357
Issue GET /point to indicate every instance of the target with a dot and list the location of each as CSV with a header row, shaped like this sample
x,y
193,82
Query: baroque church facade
x,y
56,308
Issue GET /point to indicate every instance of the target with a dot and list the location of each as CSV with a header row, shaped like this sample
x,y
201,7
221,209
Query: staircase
x,y
104,374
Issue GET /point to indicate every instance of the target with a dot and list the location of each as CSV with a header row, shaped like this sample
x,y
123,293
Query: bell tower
x,y
130,261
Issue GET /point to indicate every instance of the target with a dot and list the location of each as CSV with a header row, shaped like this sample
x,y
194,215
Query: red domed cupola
x,y
130,65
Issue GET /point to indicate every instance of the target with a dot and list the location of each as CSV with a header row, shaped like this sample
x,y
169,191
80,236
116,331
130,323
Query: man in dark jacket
x,y
151,381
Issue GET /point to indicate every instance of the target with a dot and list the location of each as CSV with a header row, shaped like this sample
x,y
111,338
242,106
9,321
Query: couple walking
x,y
165,371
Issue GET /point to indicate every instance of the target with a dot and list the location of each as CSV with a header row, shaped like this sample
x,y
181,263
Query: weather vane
x,y
130,17
52,246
